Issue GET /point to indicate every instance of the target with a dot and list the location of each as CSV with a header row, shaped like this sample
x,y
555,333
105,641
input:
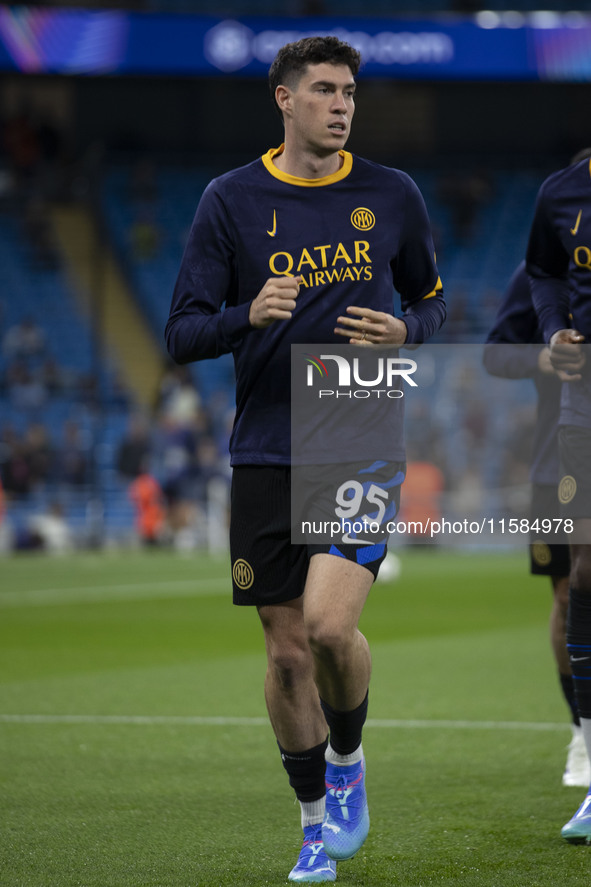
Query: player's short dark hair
x,y
583,154
292,60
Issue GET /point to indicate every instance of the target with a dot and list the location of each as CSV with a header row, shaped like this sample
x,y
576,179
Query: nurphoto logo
x,y
379,377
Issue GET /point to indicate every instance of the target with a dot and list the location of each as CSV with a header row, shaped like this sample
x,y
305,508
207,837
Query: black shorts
x,y
549,553
574,487
548,559
267,568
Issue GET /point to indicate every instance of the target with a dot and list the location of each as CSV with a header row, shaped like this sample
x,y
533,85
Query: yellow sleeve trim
x,y
436,291
342,173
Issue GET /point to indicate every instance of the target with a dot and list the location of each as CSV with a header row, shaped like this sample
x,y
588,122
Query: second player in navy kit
x,y
306,244
515,349
559,264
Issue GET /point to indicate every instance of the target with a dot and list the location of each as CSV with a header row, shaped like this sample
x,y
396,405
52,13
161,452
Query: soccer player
x,y
305,244
516,324
559,263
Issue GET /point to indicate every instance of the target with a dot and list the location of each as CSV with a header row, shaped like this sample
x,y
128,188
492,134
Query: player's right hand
x,y
566,354
276,301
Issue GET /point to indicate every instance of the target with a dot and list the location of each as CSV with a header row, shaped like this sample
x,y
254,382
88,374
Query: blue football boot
x,y
346,822
578,829
313,864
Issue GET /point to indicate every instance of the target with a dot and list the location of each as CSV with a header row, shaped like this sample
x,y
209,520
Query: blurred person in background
x,y
25,339
49,530
134,448
6,539
146,494
73,455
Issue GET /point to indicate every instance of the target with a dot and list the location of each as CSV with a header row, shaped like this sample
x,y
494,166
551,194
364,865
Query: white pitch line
x,y
536,726
92,594
156,720
197,721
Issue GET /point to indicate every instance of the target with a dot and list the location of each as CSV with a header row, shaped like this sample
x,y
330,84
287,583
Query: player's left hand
x,y
364,326
567,355
545,365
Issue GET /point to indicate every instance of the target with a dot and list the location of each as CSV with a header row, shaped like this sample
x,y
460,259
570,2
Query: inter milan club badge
x,y
242,573
567,489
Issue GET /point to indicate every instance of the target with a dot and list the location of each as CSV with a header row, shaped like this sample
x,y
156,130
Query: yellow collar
x,y
341,173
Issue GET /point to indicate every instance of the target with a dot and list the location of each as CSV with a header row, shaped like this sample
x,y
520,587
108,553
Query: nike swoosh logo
x,y
273,230
574,230
347,538
579,658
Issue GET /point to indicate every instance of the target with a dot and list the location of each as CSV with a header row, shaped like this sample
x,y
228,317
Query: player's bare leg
x,y
578,829
300,728
577,771
558,616
335,593
290,692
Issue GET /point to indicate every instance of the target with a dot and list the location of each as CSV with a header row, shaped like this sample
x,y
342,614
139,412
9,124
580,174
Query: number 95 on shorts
x,y
350,503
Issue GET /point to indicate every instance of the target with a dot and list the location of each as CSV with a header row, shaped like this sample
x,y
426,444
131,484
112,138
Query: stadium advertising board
x,y
489,46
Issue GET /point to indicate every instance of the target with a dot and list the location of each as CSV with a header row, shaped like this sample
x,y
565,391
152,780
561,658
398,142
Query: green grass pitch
x,y
135,749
